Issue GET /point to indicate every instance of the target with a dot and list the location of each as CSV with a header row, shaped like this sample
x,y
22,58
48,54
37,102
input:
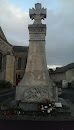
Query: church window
x,y
26,60
0,60
19,62
19,76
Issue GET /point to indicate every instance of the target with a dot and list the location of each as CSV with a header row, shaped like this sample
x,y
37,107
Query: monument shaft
x,y
36,64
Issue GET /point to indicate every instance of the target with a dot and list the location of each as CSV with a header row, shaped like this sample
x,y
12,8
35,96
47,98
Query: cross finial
x,y
37,14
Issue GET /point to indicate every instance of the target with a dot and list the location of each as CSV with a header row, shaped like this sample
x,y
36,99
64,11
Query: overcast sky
x,y
14,20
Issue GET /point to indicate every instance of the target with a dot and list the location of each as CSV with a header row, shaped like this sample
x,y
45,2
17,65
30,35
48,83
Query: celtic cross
x,y
37,14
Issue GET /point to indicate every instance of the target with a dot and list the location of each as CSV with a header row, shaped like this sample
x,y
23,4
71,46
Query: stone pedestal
x,y
29,106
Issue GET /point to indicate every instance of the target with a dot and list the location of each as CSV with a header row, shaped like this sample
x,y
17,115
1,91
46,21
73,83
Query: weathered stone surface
x,y
36,85
29,106
10,68
7,70
38,13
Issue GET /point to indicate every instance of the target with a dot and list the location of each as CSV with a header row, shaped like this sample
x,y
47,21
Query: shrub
x,y
5,84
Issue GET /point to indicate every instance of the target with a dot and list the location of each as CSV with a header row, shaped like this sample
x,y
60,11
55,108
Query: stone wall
x,y
5,48
3,70
70,75
58,77
10,69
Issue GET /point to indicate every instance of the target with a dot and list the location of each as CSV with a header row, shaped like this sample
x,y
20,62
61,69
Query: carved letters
x,y
37,30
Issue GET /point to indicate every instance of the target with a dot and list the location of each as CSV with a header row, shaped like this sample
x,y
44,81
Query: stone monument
x,y
36,85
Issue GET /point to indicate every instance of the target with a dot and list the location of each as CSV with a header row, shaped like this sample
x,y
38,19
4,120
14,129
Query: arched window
x,y
0,60
19,62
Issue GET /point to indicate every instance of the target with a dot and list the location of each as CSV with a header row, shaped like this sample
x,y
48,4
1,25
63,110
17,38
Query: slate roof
x,y
2,36
20,48
64,68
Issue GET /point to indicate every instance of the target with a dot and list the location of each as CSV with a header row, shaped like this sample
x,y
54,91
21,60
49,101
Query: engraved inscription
x,y
37,30
37,36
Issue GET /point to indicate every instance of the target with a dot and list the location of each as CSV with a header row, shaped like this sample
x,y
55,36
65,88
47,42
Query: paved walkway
x,y
3,90
59,117
68,95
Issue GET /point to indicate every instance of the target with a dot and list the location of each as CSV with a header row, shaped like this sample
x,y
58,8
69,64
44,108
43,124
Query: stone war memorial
x,y
36,85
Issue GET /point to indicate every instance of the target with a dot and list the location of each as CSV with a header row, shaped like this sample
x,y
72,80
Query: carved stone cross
x,y
37,14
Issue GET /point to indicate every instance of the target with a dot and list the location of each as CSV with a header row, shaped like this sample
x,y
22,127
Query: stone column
x,y
10,69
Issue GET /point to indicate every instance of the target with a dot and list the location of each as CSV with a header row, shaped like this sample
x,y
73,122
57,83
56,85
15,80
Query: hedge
x,y
5,84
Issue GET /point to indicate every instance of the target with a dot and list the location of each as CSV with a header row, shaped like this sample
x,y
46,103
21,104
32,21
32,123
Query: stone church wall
x,y
9,61
3,71
7,51
23,56
10,68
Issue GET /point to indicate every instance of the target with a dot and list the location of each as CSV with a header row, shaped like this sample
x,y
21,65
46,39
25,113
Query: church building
x,y
13,60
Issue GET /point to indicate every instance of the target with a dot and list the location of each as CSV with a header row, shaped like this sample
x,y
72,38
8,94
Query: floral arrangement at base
x,y
48,108
10,112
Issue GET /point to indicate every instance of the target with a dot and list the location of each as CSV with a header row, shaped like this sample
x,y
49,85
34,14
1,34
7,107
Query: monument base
x,y
36,94
29,106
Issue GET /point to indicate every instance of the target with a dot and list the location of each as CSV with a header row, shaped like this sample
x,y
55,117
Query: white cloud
x,y
14,22
60,39
53,66
65,5
60,29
